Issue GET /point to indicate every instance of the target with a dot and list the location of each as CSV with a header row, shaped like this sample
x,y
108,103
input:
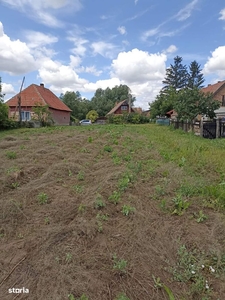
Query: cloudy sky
x,y
82,45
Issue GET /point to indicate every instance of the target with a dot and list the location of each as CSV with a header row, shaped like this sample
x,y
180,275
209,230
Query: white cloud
x,y
185,12
222,13
122,30
135,2
15,56
60,77
171,49
36,39
43,10
137,66
92,87
7,88
105,49
216,63
143,72
149,33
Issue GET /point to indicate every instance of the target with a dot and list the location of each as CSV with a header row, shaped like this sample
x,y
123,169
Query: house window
x,y
25,115
123,107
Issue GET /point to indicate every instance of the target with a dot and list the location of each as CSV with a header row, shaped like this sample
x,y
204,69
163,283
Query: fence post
x,y
217,128
201,128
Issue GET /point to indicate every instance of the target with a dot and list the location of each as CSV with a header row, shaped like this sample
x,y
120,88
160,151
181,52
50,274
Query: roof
x,y
114,109
38,94
213,88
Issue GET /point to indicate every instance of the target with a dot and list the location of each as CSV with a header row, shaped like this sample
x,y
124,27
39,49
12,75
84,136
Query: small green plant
x,y
182,162
42,198
22,147
83,297
119,265
200,217
70,173
47,221
80,175
180,205
15,185
84,150
100,218
158,284
115,197
127,210
124,182
78,188
68,258
99,203
108,148
12,170
90,139
122,296
82,208
11,154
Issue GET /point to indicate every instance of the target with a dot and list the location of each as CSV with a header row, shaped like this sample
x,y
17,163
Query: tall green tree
x,y
176,75
4,110
195,76
79,106
1,95
192,102
104,100
163,103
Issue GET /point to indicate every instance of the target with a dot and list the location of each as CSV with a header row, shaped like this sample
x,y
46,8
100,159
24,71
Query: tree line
x,y
102,101
182,93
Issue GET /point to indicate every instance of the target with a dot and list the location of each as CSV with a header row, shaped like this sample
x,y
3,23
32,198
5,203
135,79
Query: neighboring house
x,y
172,114
34,94
146,113
120,108
138,110
218,91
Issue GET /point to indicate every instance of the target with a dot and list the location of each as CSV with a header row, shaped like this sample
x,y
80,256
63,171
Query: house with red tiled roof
x,y
35,95
120,108
218,91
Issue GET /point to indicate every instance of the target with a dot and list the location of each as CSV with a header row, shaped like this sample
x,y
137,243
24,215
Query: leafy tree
x,y
79,106
92,115
104,100
43,114
164,102
195,77
193,102
176,75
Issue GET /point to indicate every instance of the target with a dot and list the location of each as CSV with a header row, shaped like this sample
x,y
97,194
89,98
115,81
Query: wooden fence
x,y
207,129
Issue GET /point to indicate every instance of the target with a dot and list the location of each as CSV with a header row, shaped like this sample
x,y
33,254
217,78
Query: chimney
x,y
42,85
218,81
209,84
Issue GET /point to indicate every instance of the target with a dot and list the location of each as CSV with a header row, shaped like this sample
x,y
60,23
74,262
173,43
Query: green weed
x,y
78,188
107,148
11,154
42,198
80,175
127,210
119,265
99,203
200,217
115,197
180,205
82,208
122,297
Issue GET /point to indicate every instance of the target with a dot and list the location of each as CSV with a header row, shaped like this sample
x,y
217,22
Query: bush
x,y
133,118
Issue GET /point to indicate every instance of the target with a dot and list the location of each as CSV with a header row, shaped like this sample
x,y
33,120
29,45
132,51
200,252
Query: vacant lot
x,y
111,212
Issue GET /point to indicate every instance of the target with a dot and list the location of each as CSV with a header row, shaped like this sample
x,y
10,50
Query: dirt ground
x,y
62,234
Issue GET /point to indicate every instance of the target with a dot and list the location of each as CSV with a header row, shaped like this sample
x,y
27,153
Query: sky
x,y
83,45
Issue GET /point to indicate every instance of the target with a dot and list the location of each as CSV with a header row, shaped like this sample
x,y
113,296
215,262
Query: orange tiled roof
x,y
213,88
38,94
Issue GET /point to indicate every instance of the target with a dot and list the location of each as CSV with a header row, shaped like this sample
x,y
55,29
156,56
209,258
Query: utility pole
x,y
19,102
129,98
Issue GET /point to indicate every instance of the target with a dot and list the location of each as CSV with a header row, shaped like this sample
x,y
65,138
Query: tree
x,y
164,102
43,114
193,102
1,95
79,106
195,77
104,100
176,75
92,115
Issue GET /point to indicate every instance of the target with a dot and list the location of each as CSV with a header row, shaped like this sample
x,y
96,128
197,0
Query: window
x,y
123,107
25,115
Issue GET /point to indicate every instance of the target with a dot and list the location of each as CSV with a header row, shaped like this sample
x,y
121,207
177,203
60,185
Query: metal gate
x,y
209,130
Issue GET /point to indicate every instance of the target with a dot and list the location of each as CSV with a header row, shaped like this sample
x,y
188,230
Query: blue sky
x,y
82,45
